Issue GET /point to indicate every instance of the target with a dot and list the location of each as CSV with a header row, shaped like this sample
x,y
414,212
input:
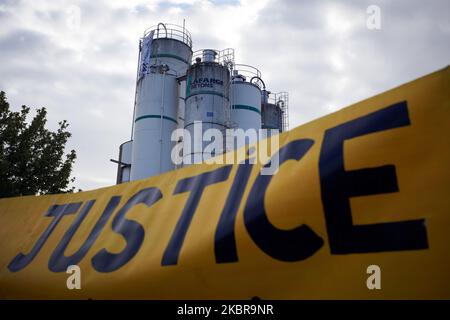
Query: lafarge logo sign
x,y
205,83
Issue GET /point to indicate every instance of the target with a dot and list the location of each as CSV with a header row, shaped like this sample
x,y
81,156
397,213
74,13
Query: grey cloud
x,y
21,41
295,49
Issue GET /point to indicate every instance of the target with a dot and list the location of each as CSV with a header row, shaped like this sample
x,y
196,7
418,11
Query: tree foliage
x,y
32,159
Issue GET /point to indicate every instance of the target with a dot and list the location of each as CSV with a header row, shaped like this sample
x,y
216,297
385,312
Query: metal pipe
x,y
184,22
162,119
119,177
255,77
157,30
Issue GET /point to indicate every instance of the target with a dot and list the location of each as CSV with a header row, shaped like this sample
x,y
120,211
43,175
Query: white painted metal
x,y
171,45
125,161
155,120
209,55
157,101
174,53
245,107
207,95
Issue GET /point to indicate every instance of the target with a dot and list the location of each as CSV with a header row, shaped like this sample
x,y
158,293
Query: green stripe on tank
x,y
155,116
245,107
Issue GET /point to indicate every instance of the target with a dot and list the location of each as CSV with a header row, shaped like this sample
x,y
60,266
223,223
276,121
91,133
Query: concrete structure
x,y
177,88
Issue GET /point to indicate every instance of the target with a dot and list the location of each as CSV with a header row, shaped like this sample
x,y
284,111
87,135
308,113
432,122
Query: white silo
x,y
172,93
245,99
171,45
207,94
165,56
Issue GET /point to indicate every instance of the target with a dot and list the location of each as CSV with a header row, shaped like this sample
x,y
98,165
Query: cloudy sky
x,y
79,58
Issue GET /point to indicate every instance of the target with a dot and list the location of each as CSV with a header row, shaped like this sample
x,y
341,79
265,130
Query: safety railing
x,y
249,74
171,31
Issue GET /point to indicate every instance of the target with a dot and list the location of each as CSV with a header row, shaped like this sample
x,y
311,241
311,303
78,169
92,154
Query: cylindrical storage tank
x,y
207,93
154,122
271,113
171,45
124,166
165,56
271,116
174,53
245,107
209,55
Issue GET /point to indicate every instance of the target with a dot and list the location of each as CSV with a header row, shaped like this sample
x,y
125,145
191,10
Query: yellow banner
x,y
359,208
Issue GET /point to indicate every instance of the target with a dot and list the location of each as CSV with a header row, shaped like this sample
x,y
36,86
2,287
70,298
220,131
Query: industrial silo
x,y
171,45
245,99
165,55
271,112
179,89
207,101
